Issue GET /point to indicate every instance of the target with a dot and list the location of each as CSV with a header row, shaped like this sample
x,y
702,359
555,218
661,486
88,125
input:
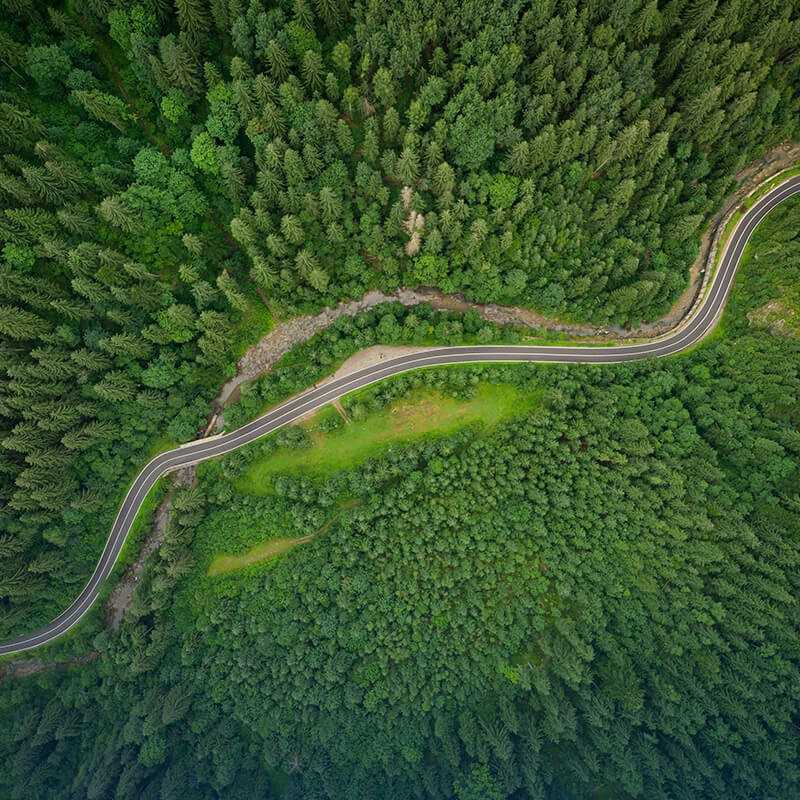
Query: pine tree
x,y
116,386
303,13
17,189
90,360
192,19
292,229
311,159
114,211
340,57
517,163
76,220
276,245
312,70
278,61
127,345
443,181
19,324
264,89
102,106
305,263
478,231
18,127
330,205
330,11
244,100
204,294
318,279
383,86
179,65
12,53
332,90
407,166
47,186
273,119
228,286
262,273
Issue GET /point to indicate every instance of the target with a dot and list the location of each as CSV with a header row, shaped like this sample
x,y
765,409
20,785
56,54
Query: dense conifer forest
x,y
168,169
598,598
595,599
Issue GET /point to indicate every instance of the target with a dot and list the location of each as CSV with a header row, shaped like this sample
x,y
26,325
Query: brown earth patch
x,y
24,667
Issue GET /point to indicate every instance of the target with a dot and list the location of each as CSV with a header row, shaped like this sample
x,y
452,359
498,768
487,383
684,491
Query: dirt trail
x,y
280,340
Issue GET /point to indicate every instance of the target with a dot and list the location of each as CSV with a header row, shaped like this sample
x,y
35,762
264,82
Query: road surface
x,y
695,326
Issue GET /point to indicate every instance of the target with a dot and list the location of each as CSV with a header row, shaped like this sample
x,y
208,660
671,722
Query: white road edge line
x,y
695,326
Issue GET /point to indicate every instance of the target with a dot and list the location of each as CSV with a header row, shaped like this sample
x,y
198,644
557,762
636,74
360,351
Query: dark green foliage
x,y
104,346
596,600
598,595
601,596
619,138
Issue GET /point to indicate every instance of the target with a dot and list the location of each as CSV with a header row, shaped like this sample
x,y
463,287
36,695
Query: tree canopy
x,y
598,599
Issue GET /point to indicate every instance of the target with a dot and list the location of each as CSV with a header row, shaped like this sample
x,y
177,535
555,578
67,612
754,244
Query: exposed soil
x,y
367,357
260,358
370,356
337,404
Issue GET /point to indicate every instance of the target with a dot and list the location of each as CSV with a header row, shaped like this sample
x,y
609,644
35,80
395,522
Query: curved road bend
x,y
698,324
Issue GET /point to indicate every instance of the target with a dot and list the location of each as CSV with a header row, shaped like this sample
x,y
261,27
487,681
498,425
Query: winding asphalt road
x,y
695,326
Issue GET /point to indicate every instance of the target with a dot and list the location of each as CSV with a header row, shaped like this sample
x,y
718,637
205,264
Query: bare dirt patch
x,y
419,415
337,404
368,357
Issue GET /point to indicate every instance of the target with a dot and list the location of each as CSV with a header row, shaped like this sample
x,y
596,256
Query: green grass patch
x,y
422,413
562,340
161,445
771,184
261,552
271,548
